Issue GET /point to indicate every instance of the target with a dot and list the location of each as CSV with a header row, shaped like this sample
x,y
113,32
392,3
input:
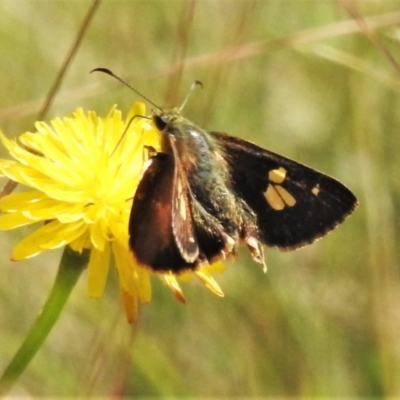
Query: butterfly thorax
x,y
203,163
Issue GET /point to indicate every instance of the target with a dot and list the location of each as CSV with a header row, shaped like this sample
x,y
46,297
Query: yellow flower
x,y
83,171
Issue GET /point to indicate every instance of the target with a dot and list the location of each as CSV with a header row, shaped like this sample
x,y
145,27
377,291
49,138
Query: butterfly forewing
x,y
294,204
156,234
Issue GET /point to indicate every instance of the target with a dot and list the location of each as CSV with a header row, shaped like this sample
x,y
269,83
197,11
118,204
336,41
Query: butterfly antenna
x,y
194,84
108,72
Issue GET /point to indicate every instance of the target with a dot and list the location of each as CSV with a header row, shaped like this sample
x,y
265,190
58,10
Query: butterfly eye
x,y
161,121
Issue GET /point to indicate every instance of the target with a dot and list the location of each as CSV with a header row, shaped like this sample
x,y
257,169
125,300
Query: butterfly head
x,y
164,118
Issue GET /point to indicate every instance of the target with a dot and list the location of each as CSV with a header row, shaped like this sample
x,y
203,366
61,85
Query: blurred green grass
x,y
296,77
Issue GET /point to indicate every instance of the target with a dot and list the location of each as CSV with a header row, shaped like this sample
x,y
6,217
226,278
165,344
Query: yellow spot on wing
x,y
273,198
315,190
286,196
277,175
278,197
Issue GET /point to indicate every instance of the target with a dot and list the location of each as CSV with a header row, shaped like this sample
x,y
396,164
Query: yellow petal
x,y
97,235
17,201
48,208
14,220
57,163
123,263
137,108
130,304
49,236
98,271
23,174
142,282
81,242
173,284
215,268
65,234
209,282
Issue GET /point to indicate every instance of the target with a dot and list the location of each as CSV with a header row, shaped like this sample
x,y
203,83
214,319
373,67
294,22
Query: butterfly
x,y
206,193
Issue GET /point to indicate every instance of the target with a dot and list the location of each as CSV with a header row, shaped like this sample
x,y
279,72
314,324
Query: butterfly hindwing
x,y
294,204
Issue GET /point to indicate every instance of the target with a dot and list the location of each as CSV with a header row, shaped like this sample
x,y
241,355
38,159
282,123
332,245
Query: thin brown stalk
x,y
350,7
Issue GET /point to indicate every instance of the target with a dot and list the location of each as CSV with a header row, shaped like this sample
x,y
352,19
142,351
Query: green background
x,y
311,80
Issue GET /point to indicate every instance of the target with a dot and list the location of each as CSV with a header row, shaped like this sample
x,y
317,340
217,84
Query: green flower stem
x,y
71,266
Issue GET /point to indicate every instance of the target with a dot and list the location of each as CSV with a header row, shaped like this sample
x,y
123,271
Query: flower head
x,y
82,172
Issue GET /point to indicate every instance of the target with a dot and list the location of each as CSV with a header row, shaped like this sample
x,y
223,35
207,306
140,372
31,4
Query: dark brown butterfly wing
x,y
294,204
161,230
